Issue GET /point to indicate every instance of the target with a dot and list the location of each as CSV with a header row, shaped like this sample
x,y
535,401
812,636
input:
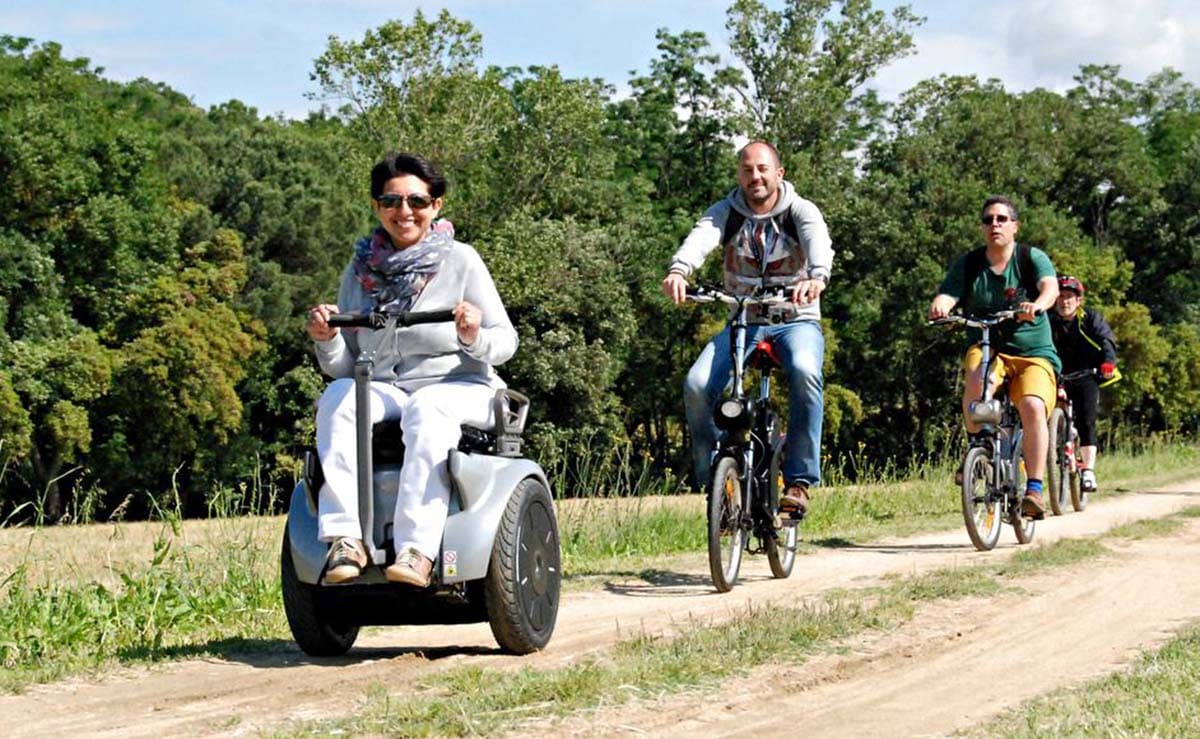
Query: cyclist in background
x,y
1002,275
1084,342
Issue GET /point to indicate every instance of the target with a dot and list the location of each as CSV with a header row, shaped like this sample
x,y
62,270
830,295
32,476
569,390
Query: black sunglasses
x,y
416,201
990,219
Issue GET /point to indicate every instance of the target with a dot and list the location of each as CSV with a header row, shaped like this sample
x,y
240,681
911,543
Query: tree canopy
x,y
156,259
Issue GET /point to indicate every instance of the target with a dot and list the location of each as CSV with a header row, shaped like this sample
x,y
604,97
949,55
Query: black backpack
x,y
977,262
733,224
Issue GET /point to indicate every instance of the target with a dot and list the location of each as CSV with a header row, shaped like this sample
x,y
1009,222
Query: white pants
x,y
429,418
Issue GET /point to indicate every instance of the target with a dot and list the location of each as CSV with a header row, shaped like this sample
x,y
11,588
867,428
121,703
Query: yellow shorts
x,y
1027,375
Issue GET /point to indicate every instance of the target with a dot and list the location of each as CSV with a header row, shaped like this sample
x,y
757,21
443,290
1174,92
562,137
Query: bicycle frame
x,y
745,419
748,456
998,420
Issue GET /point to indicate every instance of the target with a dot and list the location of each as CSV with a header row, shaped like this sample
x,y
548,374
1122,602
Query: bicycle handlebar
x,y
1077,375
708,294
379,318
982,321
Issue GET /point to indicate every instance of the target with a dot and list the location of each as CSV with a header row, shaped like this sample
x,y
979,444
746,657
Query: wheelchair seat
x,y
387,438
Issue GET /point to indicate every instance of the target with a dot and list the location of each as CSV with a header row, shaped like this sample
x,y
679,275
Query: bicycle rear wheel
x,y
981,510
781,549
1079,496
726,536
1057,464
1022,527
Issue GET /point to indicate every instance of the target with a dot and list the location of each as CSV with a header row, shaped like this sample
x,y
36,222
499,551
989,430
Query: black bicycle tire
x,y
723,504
1023,528
975,473
1057,491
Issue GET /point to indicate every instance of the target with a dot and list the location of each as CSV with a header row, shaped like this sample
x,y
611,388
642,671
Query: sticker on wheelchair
x,y
450,563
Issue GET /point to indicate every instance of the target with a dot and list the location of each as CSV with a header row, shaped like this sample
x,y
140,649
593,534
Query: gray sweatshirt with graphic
x,y
762,253
416,356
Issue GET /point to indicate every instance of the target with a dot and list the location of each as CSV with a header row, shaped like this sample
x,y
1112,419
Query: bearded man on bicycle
x,y
1001,275
1084,342
770,238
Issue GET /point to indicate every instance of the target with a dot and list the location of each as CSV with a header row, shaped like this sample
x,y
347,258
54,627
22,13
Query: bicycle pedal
x,y
785,519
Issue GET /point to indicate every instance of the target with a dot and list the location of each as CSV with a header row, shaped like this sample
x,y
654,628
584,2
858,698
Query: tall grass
x,y
180,600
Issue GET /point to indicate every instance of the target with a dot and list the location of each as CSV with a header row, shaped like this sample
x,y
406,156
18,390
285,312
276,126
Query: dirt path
x,y
909,682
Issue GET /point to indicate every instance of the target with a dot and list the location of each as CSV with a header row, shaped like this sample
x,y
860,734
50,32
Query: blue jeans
x,y
800,346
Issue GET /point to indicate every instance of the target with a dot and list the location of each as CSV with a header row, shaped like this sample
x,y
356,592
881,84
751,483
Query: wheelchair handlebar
x,y
379,318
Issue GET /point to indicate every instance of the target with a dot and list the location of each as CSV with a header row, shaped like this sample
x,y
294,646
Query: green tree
x,y
808,66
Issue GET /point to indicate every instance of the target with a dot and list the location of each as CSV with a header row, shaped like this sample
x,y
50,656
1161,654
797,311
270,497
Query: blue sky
x,y
262,52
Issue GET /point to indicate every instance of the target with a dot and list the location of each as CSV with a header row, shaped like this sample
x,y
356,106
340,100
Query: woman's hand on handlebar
x,y
318,322
467,318
674,286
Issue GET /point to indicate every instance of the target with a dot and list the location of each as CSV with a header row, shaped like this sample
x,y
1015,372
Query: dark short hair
x,y
399,163
774,152
1000,200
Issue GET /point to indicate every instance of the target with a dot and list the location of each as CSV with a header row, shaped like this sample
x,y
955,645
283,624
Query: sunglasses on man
x,y
998,218
416,201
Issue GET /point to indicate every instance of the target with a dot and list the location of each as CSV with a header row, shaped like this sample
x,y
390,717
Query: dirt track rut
x,y
926,678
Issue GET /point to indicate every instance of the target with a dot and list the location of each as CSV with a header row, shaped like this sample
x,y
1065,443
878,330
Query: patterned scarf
x,y
394,278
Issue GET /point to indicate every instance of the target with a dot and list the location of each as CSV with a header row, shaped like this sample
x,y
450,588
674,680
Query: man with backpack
x,y
770,238
1084,342
1002,275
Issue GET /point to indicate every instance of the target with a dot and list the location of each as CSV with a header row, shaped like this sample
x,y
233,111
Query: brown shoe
x,y
411,568
795,499
347,558
1032,506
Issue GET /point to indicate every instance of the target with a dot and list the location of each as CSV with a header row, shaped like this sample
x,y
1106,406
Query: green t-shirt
x,y
992,292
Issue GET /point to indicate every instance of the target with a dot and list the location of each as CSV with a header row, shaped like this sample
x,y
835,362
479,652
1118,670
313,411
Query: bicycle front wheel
x,y
1057,464
726,535
981,510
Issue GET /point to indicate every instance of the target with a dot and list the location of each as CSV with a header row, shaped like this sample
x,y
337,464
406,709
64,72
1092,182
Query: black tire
x,y
313,632
781,550
982,511
726,537
1079,497
524,577
1057,464
1023,527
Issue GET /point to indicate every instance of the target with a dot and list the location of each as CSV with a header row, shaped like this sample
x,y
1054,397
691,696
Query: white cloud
x,y
82,22
1043,43
1142,36
945,53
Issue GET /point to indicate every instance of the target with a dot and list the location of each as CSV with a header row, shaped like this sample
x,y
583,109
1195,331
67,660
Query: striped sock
x,y
1033,486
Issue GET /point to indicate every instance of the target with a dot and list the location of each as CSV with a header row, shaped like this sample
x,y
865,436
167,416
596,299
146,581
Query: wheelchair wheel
x,y
314,632
726,537
521,589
